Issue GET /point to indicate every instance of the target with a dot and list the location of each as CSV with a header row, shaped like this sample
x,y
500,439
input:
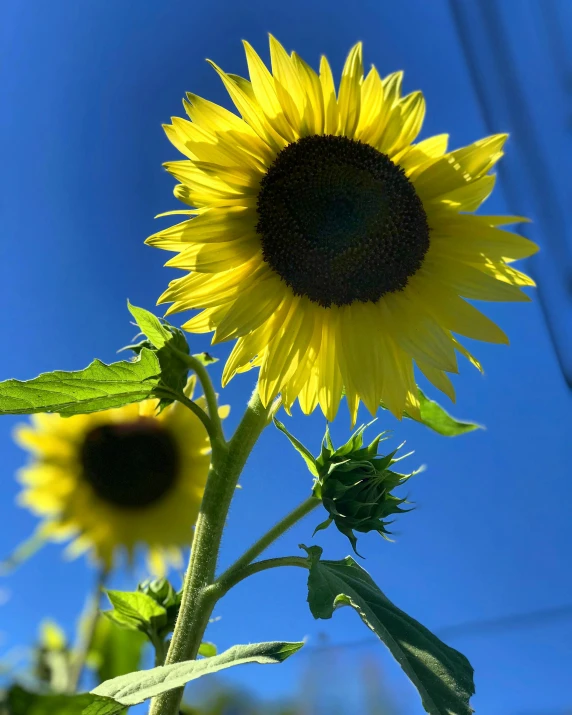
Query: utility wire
x,y
511,621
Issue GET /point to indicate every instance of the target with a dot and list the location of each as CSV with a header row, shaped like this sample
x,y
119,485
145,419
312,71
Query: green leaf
x,y
442,675
114,650
98,387
151,326
23,702
137,687
170,343
299,447
208,650
103,706
437,419
136,611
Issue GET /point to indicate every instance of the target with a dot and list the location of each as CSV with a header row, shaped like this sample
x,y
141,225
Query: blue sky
x,y
87,87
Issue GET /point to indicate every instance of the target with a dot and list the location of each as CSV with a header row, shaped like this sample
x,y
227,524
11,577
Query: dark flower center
x,y
131,465
340,222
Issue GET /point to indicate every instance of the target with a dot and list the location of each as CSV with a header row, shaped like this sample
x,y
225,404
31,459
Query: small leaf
x,y
437,419
443,677
136,611
137,687
208,650
205,358
23,702
151,326
97,387
299,447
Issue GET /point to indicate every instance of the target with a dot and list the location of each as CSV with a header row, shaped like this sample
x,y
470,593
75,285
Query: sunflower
x,y
334,250
115,479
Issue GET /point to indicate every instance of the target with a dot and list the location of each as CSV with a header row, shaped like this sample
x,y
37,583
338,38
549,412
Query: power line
x,y
511,621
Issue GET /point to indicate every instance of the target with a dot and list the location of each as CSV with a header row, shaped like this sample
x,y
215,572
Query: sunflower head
x,y
116,479
335,249
355,485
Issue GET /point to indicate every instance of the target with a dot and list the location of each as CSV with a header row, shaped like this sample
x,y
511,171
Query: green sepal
x,y
323,525
438,419
299,447
205,358
442,675
432,415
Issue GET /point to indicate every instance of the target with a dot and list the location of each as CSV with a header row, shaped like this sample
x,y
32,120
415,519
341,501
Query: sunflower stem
x,y
202,415
210,395
269,537
198,600
86,633
232,576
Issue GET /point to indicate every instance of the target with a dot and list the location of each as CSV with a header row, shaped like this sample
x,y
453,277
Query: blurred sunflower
x,y
116,479
334,250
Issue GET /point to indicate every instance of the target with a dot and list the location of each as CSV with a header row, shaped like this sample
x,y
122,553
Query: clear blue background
x,y
86,86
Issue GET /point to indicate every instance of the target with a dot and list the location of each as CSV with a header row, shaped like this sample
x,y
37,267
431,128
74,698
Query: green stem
x,y
230,578
160,646
198,600
210,395
274,533
86,633
214,436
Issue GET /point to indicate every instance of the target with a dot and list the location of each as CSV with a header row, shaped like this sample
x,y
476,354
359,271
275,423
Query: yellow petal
x,y
214,118
361,347
470,196
329,389
331,113
207,320
304,378
309,393
204,290
458,316
349,99
405,124
249,109
417,156
265,92
255,344
213,225
287,84
473,360
473,235
438,378
459,167
474,284
371,106
416,332
251,308
313,115
216,257
287,349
